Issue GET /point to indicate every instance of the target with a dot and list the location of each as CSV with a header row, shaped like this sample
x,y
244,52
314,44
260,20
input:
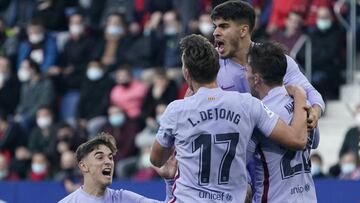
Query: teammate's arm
x,y
159,154
295,136
295,76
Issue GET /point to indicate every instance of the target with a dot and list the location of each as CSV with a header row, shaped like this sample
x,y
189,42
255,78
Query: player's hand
x,y
169,169
314,115
296,91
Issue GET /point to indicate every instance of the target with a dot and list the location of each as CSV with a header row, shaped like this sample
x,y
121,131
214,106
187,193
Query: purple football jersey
x,y
232,77
210,131
115,196
281,175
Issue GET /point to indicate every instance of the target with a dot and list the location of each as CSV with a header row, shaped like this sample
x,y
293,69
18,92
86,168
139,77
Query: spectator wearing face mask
x,y
206,26
94,98
73,62
124,131
43,137
348,167
112,47
36,91
12,136
40,46
316,166
128,93
352,137
69,173
328,54
9,87
40,168
5,172
143,142
291,33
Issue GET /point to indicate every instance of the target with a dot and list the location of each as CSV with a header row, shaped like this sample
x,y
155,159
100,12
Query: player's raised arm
x,y
159,154
293,136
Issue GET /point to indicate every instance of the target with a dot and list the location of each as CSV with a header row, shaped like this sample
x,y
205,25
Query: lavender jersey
x,y
210,131
281,175
232,77
113,196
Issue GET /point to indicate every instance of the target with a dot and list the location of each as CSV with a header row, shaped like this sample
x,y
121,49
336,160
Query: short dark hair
x,y
200,57
268,59
236,10
101,139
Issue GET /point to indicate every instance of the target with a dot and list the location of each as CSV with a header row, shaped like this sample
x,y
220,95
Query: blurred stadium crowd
x,y
72,68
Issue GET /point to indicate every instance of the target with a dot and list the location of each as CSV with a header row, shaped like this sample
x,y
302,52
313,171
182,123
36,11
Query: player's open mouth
x,y
219,46
107,172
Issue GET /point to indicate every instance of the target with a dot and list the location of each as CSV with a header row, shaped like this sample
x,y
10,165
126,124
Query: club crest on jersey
x,y
268,111
211,98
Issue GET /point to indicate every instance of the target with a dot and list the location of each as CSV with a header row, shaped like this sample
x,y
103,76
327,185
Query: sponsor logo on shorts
x,y
299,189
215,195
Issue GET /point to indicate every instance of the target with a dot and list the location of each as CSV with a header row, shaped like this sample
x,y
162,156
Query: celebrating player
x,y
234,22
280,175
95,160
211,129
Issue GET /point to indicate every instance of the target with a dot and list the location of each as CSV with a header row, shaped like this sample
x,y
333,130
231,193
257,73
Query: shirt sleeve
x,y
296,77
265,119
165,135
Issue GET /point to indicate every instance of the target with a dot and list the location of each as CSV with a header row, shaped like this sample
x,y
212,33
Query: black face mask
x,y
125,84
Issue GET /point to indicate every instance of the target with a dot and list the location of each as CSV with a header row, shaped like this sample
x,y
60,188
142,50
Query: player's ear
x,y
256,78
83,167
244,30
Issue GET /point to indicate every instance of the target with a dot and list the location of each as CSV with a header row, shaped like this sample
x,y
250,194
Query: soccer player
x,y
234,22
95,160
211,129
281,175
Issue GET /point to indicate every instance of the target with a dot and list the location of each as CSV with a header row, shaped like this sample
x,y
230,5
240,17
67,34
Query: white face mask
x,y
145,160
206,28
36,38
323,24
76,29
38,168
3,174
315,169
3,78
117,119
348,168
94,73
170,30
158,118
357,119
23,75
114,30
44,122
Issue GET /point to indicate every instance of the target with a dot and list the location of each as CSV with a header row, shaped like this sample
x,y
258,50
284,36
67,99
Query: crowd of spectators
x,y
72,68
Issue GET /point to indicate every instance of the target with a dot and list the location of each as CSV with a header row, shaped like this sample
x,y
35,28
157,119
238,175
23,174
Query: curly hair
x,y
200,57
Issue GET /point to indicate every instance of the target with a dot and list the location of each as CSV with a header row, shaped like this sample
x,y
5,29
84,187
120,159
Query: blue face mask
x,y
94,73
117,119
315,169
38,168
323,24
348,168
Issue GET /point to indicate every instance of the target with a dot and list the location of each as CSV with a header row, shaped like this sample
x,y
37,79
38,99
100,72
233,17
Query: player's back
x,y
281,175
212,130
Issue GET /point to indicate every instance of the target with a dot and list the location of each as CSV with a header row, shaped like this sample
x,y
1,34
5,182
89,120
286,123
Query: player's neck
x,y
264,90
241,55
197,86
93,189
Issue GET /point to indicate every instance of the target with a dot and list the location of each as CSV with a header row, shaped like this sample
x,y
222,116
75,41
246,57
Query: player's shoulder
x,y
72,197
291,63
